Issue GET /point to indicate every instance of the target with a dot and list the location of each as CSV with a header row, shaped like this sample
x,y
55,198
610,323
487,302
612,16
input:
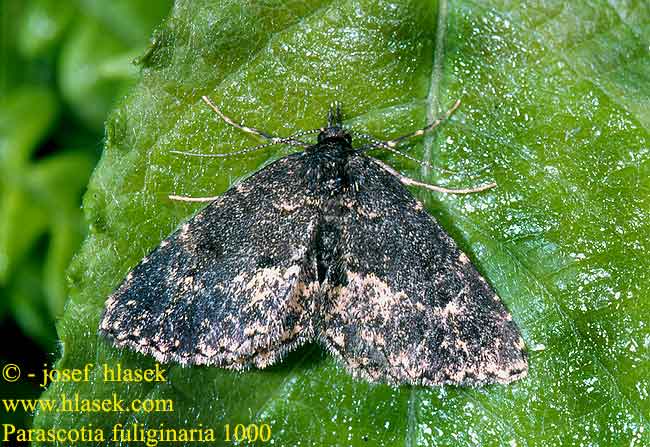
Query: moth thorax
x,y
326,172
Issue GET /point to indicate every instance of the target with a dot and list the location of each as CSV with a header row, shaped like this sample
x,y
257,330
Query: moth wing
x,y
406,305
231,286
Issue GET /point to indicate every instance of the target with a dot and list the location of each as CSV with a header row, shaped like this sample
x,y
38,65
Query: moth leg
x,y
427,128
272,138
227,154
391,144
411,182
192,199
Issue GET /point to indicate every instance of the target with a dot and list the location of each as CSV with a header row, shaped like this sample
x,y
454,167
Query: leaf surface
x,y
555,110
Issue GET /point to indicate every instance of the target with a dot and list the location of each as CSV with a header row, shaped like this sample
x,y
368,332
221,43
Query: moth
x,y
325,245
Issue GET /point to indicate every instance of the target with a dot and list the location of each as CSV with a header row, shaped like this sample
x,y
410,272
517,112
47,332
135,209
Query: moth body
x,y
325,245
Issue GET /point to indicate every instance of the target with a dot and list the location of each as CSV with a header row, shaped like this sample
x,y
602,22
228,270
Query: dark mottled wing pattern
x,y
228,287
406,305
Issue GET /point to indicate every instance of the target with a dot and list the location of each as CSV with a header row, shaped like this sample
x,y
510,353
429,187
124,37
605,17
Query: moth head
x,y
334,130
335,134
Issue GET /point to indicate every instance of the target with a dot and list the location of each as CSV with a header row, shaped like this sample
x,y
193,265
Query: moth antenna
x,y
247,150
252,130
393,150
411,182
429,127
306,132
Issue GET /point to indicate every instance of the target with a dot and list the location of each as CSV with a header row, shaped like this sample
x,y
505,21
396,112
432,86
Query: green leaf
x,y
39,203
130,20
555,110
43,24
95,69
46,157
19,138
96,61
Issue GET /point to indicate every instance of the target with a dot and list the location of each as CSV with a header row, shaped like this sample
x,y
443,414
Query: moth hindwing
x,y
323,245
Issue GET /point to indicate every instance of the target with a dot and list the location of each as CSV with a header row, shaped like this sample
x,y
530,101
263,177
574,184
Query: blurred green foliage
x,y
63,66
